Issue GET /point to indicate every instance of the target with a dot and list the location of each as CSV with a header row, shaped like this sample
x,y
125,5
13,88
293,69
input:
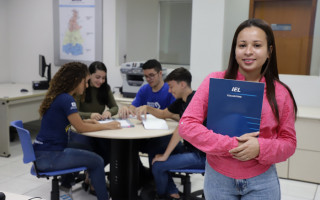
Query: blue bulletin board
x,y
77,31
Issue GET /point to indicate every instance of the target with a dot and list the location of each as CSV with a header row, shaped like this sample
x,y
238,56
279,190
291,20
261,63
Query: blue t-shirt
x,y
53,135
161,99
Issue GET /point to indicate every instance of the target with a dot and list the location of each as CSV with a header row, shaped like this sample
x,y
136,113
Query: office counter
x,y
16,105
122,101
304,165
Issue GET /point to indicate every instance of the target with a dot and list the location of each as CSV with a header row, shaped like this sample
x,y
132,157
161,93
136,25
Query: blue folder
x,y
234,107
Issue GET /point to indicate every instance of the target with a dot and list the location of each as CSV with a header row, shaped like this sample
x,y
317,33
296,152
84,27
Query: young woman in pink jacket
x,y
244,167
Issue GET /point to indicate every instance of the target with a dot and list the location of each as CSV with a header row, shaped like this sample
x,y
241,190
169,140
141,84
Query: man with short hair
x,y
154,94
179,81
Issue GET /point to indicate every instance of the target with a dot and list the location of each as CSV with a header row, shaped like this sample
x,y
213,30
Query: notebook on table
x,y
154,123
125,123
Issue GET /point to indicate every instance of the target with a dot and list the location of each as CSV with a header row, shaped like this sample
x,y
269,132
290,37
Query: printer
x,y
133,78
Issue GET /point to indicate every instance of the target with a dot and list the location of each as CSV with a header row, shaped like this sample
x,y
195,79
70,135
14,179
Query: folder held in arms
x,y
234,107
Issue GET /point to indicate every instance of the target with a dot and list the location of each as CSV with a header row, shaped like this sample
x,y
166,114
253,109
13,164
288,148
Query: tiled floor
x,y
15,178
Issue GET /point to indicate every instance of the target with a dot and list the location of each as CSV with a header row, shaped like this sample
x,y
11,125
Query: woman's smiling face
x,y
251,51
97,78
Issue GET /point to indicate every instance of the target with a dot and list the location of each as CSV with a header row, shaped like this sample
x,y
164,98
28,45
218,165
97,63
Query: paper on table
x,y
125,123
154,123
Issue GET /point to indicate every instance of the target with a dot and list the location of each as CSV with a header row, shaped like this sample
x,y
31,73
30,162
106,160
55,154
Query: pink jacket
x,y
277,141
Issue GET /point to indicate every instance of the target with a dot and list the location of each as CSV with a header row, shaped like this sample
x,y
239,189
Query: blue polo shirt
x,y
161,99
53,135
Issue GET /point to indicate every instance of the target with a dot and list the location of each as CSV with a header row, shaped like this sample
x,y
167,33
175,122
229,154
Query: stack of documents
x,y
154,123
125,123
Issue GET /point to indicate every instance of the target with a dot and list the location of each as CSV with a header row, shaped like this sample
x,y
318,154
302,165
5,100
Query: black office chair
x,y
184,174
2,196
29,156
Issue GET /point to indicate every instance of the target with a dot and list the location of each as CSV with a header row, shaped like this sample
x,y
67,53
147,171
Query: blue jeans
x,y
100,146
80,141
70,158
262,187
157,145
160,170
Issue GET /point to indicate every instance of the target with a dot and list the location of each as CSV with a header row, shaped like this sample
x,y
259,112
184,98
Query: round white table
x,y
124,158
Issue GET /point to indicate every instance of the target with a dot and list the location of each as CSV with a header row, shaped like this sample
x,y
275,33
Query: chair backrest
x,y
25,140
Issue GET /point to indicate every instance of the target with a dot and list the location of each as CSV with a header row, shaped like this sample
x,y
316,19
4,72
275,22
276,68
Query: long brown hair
x,y
269,69
68,77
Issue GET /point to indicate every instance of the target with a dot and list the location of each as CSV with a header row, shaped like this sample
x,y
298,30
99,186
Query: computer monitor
x,y
44,71
43,68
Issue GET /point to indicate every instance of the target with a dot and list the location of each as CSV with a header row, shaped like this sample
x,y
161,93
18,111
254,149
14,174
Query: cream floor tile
x,y
12,158
30,177
294,190
19,185
44,190
15,168
196,182
285,197
79,193
317,195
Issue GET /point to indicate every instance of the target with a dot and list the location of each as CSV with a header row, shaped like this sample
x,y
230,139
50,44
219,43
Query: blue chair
x,y
29,156
184,174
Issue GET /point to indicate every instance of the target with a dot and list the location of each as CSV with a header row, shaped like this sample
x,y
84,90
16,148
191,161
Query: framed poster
x,y
77,31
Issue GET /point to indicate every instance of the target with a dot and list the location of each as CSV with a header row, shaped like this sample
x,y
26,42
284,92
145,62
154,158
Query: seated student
x,y
59,111
179,81
97,103
154,94
98,95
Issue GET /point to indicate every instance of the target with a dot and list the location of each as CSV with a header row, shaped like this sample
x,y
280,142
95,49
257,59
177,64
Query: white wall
x,y
142,14
232,8
4,65
26,30
30,32
109,43
121,30
206,39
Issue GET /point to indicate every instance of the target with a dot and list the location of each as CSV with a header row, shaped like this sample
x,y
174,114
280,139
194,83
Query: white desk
x,y
16,105
122,101
124,159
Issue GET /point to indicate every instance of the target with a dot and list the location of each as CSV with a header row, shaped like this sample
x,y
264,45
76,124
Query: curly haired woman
x,y
58,111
